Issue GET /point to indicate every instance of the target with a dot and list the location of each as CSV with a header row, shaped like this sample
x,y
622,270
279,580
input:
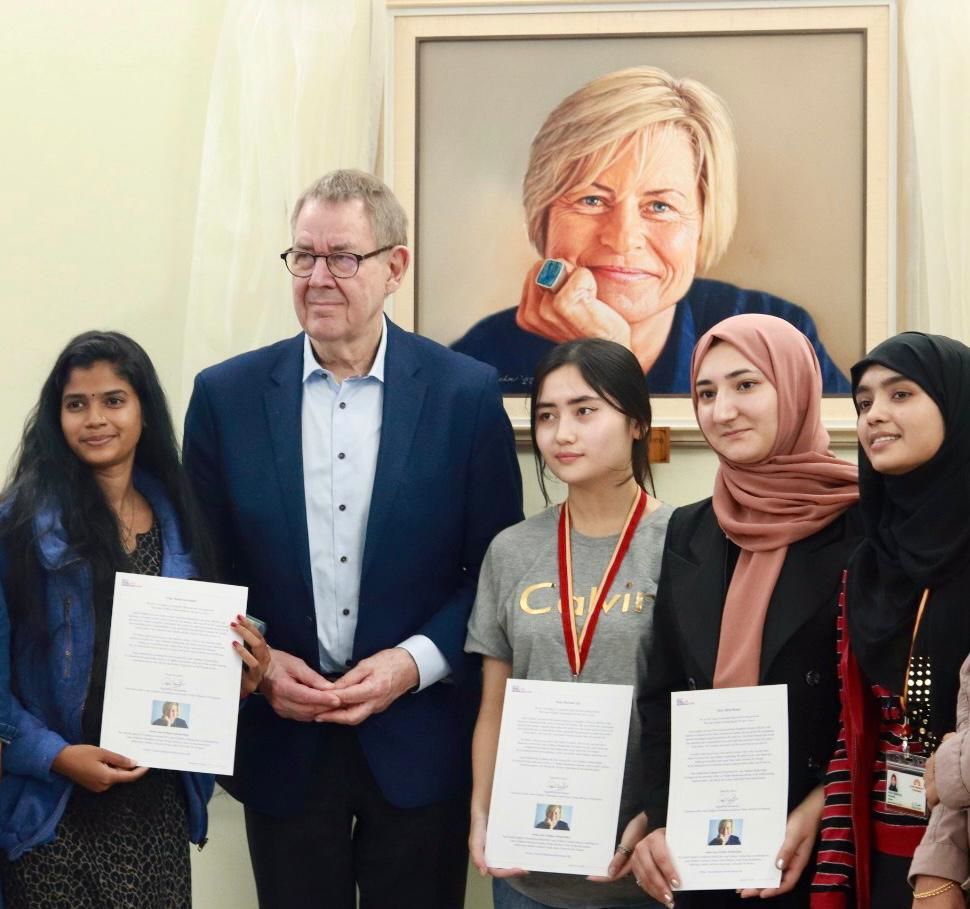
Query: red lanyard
x,y
577,645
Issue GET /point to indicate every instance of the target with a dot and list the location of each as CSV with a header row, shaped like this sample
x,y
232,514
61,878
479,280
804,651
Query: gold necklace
x,y
128,527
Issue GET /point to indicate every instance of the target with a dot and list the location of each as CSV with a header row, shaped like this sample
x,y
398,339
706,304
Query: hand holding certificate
x,y
172,689
558,776
727,812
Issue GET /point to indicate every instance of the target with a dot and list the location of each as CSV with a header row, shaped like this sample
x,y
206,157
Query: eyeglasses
x,y
301,262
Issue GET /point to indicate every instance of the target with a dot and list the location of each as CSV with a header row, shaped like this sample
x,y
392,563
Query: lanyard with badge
x,y
906,772
578,644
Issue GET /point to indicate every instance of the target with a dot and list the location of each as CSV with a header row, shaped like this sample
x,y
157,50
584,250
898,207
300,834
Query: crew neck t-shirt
x,y
516,619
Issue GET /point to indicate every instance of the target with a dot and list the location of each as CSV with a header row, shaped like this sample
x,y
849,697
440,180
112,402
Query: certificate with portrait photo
x,y
728,786
171,696
558,776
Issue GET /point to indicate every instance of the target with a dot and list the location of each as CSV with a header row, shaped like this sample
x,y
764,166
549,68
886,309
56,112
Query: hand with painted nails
x,y
621,863
254,653
796,849
653,867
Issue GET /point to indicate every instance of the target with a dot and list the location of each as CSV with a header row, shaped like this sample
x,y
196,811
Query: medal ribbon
x,y
577,645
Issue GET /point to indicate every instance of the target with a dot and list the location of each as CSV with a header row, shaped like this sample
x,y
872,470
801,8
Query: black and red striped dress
x,y
857,829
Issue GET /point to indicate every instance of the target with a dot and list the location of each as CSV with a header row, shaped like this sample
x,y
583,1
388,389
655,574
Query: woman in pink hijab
x,y
750,582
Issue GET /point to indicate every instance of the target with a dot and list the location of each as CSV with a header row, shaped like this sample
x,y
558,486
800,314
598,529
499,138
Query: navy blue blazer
x,y
447,480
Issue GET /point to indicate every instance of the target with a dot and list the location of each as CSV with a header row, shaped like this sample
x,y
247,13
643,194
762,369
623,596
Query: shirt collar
x,y
312,367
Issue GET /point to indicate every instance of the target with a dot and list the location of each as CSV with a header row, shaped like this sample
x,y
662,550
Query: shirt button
x,y
813,677
309,619
67,653
348,663
691,684
814,764
343,405
341,456
346,612
343,558
343,507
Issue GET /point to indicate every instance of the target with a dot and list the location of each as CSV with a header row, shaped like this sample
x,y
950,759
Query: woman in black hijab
x,y
907,599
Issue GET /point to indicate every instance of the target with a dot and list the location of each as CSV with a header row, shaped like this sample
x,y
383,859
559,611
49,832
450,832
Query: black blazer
x,y
798,648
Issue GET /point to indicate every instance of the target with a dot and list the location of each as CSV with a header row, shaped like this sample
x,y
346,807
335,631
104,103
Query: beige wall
x,y
104,106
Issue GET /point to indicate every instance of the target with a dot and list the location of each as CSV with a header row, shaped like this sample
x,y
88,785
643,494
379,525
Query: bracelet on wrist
x,y
936,891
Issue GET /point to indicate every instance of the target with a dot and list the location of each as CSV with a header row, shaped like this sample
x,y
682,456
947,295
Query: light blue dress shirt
x,y
341,424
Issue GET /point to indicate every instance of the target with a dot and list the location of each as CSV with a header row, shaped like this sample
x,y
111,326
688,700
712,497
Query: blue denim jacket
x,y
7,728
50,676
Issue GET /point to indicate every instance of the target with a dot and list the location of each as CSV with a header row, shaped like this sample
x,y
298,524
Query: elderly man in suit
x,y
353,477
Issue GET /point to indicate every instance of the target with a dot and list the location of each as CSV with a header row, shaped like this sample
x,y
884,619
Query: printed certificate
x,y
728,786
172,691
558,776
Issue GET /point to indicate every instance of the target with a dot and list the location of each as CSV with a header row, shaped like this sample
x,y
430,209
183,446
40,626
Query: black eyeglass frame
x,y
327,256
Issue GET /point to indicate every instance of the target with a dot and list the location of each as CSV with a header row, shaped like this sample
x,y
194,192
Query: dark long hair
x,y
48,475
615,374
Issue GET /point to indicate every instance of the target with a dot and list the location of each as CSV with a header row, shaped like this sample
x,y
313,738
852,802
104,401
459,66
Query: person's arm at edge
x,y
10,708
495,673
41,753
34,747
944,852
951,761
7,728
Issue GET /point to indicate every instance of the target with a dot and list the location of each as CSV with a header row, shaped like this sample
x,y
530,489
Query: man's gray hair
x,y
387,218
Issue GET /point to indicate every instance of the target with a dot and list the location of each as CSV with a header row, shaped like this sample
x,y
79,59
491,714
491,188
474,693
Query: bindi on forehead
x,y
94,394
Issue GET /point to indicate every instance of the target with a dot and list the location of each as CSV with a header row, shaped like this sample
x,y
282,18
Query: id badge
x,y
906,783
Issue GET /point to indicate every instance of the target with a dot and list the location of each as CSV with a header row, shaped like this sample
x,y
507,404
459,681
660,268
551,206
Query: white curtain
x,y
296,91
935,167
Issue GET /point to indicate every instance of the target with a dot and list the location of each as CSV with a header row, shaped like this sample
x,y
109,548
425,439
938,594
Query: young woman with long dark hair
x,y
97,488
590,428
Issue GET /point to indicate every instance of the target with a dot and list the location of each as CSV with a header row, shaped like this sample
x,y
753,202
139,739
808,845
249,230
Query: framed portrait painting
x,y
515,132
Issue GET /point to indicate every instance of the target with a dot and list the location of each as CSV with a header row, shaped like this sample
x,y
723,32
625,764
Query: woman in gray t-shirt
x,y
590,428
